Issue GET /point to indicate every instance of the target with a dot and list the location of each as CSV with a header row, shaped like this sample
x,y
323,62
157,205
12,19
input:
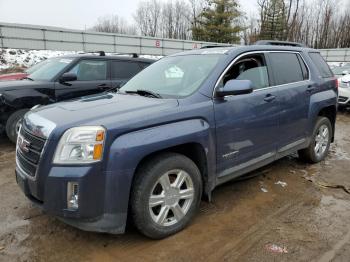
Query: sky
x,y
74,14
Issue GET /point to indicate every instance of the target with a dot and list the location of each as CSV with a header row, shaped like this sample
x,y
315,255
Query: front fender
x,y
24,98
129,149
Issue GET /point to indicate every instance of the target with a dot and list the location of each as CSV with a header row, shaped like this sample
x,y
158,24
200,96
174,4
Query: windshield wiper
x,y
143,92
31,79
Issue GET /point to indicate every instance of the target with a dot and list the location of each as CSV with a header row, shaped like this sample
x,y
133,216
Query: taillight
x,y
337,81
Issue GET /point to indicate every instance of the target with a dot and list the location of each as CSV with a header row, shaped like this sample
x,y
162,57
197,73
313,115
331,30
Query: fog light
x,y
72,195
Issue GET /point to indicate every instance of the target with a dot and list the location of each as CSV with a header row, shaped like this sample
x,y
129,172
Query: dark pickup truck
x,y
174,132
63,78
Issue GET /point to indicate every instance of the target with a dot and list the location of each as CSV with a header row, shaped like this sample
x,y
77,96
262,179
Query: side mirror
x,y
67,77
235,87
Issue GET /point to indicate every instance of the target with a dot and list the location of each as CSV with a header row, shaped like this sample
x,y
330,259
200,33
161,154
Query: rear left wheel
x,y
166,195
320,142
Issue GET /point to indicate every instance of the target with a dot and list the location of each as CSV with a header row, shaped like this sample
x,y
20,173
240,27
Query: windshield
x,y
176,76
340,69
49,68
33,68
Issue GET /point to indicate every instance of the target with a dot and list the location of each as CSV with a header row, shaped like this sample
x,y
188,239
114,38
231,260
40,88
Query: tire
x,y
148,185
312,154
12,124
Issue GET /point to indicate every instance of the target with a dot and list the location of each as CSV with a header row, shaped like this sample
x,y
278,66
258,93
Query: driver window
x,y
250,67
90,70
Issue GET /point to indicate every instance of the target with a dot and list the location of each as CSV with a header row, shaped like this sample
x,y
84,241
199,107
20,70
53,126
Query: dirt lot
x,y
306,218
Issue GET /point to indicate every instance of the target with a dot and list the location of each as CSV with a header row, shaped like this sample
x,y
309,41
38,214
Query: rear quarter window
x,y
321,65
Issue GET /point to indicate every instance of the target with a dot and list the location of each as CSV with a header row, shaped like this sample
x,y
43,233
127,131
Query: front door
x,y
92,78
246,125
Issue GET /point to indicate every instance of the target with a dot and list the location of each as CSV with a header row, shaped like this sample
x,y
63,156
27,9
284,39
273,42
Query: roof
x,y
241,49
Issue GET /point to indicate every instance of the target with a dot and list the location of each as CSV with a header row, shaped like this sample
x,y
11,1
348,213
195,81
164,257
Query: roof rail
x,y
280,43
133,55
100,53
213,46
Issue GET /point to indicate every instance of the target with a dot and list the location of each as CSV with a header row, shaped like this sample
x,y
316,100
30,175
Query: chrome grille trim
x,y
34,150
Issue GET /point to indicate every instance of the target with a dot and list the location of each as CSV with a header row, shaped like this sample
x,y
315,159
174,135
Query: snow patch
x,y
26,58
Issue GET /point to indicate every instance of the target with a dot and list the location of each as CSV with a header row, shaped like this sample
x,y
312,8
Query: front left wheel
x,y
13,123
166,195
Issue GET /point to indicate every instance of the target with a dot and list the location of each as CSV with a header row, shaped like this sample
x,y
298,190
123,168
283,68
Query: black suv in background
x,y
64,78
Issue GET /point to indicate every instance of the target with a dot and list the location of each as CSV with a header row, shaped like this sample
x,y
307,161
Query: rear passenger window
x,y
321,65
124,70
251,67
286,68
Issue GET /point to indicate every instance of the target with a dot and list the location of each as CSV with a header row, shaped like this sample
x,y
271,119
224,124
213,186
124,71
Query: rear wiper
x,y
143,92
31,79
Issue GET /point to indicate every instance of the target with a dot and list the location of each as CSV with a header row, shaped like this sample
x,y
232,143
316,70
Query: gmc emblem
x,y
23,144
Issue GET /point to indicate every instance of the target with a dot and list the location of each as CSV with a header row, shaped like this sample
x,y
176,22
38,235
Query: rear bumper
x,y
94,212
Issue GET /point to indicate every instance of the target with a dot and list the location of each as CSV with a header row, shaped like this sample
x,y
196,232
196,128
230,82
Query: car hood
x,y
12,76
17,84
109,110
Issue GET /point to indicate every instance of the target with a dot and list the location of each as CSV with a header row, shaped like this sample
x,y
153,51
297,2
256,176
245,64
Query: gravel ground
x,y
306,218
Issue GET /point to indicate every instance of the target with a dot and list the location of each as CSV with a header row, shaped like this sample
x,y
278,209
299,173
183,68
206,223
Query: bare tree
x,y
170,19
317,23
196,8
114,24
147,17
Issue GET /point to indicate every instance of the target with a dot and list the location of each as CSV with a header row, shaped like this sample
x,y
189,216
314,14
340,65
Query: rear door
x,y
291,76
92,78
122,71
246,125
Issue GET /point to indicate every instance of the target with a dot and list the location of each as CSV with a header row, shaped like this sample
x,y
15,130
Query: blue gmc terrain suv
x,y
175,131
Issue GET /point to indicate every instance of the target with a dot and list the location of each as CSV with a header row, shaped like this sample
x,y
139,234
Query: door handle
x,y
269,98
103,86
310,88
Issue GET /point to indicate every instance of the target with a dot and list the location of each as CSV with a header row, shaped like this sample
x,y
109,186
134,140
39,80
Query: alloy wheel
x,y
321,140
171,197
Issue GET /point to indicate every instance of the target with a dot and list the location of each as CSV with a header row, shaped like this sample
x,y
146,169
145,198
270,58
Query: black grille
x,y
342,99
28,157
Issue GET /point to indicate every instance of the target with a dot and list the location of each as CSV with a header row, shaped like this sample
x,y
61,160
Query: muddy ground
x,y
308,220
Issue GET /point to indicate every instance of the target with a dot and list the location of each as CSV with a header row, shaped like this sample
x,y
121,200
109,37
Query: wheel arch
x,y
329,112
323,104
193,150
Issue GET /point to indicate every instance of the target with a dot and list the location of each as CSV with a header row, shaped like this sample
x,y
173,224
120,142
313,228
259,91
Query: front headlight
x,y
80,145
344,84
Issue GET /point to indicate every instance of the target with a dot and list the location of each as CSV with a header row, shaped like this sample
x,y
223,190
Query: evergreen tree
x,y
274,20
218,22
